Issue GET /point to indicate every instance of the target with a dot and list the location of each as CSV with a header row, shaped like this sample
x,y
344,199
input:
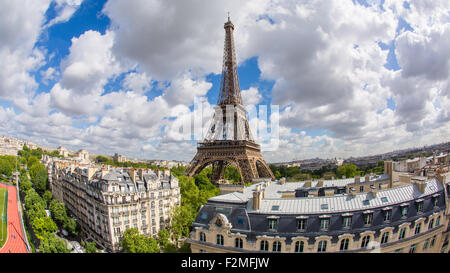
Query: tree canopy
x,y
134,242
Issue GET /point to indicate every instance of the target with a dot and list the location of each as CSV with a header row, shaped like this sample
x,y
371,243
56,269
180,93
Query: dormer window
x,y
347,221
435,200
273,224
387,213
404,210
301,224
368,216
419,204
324,223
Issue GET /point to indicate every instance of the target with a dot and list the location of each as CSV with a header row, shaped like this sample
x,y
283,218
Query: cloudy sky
x,y
351,78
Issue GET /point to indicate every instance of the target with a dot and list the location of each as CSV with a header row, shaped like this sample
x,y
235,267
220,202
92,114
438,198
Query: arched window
x,y
344,244
219,239
238,243
385,238
418,227
322,247
276,247
365,241
430,225
299,246
264,245
402,233
202,237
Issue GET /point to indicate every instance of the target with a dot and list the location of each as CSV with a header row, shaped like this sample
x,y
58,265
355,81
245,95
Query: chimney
x,y
307,184
329,192
282,180
421,185
132,173
141,174
256,200
373,190
405,178
357,179
319,183
367,178
351,192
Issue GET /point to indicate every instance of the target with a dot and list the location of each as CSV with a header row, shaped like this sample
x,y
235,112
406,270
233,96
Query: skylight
x,y
366,202
275,207
384,199
324,206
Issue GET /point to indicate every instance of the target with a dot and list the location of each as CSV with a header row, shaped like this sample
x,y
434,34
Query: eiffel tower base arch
x,y
244,155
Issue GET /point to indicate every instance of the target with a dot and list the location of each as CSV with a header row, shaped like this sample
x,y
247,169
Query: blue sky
x,y
351,78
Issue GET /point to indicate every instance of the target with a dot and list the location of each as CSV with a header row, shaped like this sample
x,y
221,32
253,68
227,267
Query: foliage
x,y
347,170
232,174
24,183
182,219
39,177
7,165
43,226
51,244
91,248
47,196
101,159
134,242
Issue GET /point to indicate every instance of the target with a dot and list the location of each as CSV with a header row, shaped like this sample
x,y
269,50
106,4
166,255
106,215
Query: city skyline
x,y
352,78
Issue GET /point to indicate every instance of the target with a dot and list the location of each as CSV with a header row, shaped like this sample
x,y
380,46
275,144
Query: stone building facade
x,y
370,214
107,201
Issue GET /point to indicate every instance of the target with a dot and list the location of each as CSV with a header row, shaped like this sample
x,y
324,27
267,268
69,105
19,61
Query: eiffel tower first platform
x,y
229,140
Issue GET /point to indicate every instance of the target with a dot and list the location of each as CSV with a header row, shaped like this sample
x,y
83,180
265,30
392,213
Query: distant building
x,y
63,151
119,158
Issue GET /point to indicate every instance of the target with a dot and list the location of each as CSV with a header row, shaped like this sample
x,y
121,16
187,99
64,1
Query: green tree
x,y
71,225
39,177
24,183
232,173
52,244
349,170
133,242
182,219
47,196
43,226
91,248
59,213
101,159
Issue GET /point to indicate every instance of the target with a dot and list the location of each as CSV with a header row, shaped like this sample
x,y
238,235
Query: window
x,y
299,246
387,215
366,202
385,238
435,201
438,221
418,227
430,224
322,247
365,241
402,233
276,247
347,223
324,223
433,241
301,224
361,188
419,207
368,218
264,245
324,206
404,211
425,245
202,237
344,244
202,251
413,248
273,224
240,220
384,199
219,239
238,243
400,250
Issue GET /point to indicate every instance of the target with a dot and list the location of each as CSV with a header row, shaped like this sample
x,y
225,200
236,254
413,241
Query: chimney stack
x,y
282,180
357,179
256,200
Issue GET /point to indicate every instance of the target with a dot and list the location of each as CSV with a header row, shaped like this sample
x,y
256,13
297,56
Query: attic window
x,y
204,215
275,207
384,199
324,206
366,202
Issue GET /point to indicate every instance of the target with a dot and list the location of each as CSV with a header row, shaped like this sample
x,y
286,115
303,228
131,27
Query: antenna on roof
x,y
228,16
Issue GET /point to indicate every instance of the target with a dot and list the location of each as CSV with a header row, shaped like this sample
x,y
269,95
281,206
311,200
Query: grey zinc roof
x,y
234,197
346,203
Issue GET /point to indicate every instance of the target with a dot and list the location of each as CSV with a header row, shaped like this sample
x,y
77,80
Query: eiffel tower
x,y
229,140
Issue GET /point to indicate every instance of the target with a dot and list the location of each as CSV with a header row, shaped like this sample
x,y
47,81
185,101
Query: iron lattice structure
x,y
229,140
